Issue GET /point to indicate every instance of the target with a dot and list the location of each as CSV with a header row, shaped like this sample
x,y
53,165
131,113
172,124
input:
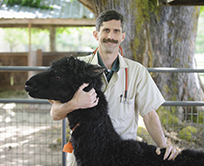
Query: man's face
x,y
110,36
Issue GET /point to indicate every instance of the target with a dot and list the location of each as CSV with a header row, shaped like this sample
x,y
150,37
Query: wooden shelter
x,y
180,2
64,13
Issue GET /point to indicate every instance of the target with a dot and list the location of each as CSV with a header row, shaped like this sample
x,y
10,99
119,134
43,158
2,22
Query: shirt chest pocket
x,y
124,110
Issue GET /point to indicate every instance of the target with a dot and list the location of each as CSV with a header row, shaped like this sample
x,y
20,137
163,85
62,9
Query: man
x,y
143,97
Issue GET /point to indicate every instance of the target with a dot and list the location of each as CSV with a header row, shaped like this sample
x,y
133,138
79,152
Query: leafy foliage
x,y
188,132
201,9
31,3
200,33
67,39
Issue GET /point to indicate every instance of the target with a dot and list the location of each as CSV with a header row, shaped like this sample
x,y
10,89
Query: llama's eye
x,y
57,77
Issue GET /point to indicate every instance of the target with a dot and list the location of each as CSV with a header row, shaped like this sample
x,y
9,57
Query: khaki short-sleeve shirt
x,y
143,95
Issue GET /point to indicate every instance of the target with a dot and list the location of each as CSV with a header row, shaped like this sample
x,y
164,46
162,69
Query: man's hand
x,y
84,99
170,151
80,100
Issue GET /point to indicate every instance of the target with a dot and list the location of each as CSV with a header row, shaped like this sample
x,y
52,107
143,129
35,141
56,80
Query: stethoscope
x,y
126,73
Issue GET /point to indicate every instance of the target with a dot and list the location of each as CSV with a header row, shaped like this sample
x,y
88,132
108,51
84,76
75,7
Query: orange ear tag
x,y
68,148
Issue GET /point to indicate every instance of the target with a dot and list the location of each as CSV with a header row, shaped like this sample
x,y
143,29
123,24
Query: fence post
x,y
39,57
34,59
63,141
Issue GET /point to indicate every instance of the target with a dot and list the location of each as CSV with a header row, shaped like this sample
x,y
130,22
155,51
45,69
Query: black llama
x,y
95,141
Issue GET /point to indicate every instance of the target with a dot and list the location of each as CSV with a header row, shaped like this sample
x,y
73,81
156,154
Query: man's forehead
x,y
115,24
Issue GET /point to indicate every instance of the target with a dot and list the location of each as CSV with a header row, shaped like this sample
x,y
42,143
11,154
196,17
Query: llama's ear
x,y
94,70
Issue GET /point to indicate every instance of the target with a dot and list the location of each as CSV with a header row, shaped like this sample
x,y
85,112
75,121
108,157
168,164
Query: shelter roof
x,y
63,13
180,2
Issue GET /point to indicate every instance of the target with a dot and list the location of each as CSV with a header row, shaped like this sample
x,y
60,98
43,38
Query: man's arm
x,y
154,128
80,100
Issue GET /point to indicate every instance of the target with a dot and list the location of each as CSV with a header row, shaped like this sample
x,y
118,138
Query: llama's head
x,y
63,78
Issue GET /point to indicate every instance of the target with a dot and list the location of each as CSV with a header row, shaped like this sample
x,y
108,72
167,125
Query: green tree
x,y
75,38
14,36
18,38
160,36
30,3
67,39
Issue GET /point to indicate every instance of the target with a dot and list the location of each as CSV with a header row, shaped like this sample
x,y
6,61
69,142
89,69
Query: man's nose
x,y
110,35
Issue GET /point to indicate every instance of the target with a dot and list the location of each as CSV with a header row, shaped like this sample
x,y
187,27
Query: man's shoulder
x,y
86,58
134,64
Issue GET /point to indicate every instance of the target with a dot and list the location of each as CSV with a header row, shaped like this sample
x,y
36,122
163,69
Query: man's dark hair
x,y
107,16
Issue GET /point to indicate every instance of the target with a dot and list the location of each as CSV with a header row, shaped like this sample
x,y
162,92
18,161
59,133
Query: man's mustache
x,y
110,41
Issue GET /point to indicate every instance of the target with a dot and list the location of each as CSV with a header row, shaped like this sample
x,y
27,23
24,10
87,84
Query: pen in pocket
x,y
121,97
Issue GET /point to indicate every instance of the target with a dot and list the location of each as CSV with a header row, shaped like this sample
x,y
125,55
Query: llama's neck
x,y
95,129
94,124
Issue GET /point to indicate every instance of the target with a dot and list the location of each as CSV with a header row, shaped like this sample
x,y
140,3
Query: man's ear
x,y
123,36
94,70
95,34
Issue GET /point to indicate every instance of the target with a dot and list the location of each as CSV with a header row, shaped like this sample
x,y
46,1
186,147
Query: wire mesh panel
x,y
28,135
182,125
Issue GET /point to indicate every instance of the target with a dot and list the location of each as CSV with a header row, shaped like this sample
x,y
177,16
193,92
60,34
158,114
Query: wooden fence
x,y
16,80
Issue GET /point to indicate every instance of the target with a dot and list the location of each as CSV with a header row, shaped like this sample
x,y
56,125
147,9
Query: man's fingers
x,y
92,91
95,103
173,154
177,152
86,99
168,151
84,85
158,152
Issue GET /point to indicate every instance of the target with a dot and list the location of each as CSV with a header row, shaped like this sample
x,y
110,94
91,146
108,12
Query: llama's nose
x,y
30,85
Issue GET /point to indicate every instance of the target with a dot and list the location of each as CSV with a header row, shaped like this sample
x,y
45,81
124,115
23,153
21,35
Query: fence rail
x,y
175,70
41,101
22,68
159,69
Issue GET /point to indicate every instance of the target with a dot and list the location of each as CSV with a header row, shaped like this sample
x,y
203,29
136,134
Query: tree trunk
x,y
160,37
173,35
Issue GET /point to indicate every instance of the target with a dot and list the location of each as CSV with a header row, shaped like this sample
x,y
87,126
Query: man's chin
x,y
110,50
110,47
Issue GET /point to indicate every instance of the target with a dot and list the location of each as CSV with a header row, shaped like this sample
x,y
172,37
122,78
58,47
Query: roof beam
x,y
180,2
43,23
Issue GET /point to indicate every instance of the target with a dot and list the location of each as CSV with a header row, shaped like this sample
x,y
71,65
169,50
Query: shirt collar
x,y
115,66
122,63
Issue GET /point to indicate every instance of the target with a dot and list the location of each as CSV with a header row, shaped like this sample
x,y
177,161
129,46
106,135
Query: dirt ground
x,y
28,136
